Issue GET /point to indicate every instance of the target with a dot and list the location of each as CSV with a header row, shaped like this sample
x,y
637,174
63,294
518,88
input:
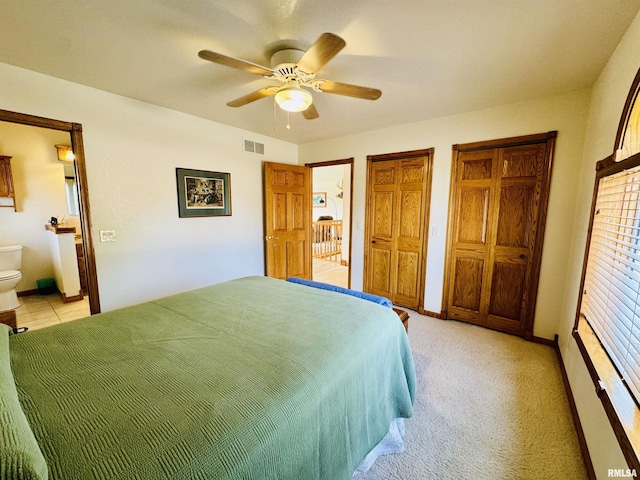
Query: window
x,y
610,301
630,141
607,327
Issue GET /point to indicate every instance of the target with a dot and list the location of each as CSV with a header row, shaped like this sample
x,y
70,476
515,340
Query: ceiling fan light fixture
x,y
293,99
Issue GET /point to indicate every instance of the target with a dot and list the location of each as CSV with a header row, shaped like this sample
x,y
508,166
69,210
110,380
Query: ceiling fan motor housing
x,y
288,55
283,63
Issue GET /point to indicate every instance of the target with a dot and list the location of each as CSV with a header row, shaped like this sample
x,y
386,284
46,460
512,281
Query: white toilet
x,y
10,260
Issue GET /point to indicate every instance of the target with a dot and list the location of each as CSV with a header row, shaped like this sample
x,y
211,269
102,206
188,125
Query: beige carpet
x,y
488,406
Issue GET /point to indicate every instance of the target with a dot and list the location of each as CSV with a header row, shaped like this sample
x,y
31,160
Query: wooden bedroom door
x,y
287,214
497,214
397,204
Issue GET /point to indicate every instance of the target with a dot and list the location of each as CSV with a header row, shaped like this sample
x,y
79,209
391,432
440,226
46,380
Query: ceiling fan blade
x,y
338,88
252,97
310,113
234,62
318,54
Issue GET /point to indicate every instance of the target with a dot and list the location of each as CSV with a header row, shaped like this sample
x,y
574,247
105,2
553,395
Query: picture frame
x,y
319,199
202,193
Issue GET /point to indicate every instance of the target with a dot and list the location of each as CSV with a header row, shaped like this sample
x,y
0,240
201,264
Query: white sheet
x,y
391,443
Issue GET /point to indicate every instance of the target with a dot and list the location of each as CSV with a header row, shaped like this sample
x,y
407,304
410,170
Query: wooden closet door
x,y
499,199
409,228
517,200
380,275
471,235
396,220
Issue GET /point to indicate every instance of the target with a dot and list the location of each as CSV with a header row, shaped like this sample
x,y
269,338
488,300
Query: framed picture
x,y
319,199
202,193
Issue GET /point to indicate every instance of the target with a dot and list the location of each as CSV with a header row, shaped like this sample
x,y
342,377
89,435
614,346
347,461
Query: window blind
x,y
611,297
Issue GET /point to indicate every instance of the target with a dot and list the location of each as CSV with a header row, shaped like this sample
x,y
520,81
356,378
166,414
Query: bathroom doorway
x,y
331,206
33,209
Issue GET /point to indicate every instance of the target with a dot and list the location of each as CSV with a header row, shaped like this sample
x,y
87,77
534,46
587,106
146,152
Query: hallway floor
x,y
330,272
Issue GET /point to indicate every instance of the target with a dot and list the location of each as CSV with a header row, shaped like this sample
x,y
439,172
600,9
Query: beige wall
x,y
40,194
565,113
325,180
132,150
607,101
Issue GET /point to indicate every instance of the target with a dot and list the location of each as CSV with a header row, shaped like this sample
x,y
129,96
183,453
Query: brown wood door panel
x,y
277,252
499,197
287,209
383,203
296,258
476,165
380,269
472,215
523,161
407,286
410,226
469,271
515,216
507,288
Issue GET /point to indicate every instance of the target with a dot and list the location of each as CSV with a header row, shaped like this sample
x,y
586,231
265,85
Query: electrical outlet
x,y
107,235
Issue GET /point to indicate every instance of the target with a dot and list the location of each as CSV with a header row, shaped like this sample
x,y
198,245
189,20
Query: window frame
x,y
619,404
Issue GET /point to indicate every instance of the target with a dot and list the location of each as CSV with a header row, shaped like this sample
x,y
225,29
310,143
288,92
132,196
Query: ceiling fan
x,y
294,69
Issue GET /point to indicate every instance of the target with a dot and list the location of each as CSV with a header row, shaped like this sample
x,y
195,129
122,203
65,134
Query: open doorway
x,y
40,173
331,221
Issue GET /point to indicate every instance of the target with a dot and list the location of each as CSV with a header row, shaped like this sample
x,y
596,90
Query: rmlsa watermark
x,y
622,473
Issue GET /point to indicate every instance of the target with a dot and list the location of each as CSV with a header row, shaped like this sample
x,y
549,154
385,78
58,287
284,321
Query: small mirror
x,y
71,188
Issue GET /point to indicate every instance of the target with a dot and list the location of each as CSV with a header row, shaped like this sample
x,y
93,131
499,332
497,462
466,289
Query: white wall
x,y
566,113
607,101
38,179
132,151
325,180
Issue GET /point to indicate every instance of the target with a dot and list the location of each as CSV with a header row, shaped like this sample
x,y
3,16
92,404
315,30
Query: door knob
x,y
268,237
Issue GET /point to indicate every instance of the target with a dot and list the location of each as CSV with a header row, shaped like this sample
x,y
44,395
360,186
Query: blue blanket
x,y
385,302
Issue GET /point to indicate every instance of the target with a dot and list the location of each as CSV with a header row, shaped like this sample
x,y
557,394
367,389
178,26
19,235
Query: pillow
x,y
20,455
384,301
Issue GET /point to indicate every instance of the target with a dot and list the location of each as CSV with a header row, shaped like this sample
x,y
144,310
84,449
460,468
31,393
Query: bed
x,y
251,378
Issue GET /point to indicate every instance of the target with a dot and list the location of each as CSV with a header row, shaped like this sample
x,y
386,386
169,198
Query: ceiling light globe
x,y
293,99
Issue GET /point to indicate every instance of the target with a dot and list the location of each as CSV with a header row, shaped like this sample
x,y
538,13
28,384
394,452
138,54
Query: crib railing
x,y
327,240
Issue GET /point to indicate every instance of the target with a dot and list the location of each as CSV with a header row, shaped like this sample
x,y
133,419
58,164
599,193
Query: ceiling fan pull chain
x,y
288,124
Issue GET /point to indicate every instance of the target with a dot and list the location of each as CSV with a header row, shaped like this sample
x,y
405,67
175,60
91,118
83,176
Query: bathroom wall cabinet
x,y
6,182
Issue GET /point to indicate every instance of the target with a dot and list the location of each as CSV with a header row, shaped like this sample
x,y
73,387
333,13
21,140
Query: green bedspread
x,y
254,378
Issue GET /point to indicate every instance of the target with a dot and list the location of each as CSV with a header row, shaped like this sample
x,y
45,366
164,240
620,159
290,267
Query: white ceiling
x,y
430,58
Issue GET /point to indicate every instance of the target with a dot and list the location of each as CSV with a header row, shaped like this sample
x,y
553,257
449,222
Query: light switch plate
x,y
107,235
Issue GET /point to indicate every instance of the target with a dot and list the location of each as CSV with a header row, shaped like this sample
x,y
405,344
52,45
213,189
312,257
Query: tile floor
x,y
330,272
38,311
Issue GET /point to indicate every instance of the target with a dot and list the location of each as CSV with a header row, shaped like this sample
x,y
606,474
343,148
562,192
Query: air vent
x,y
253,147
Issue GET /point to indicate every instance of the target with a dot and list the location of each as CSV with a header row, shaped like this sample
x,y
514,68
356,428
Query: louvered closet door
x,y
495,242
